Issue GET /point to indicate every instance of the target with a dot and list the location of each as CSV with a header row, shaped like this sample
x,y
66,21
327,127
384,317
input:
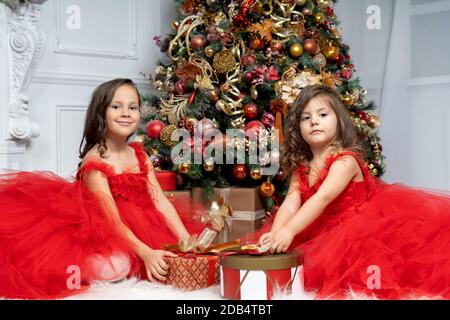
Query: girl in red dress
x,y
356,232
58,236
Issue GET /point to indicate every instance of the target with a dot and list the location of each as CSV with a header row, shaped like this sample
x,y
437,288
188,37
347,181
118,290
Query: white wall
x,y
406,69
115,39
368,47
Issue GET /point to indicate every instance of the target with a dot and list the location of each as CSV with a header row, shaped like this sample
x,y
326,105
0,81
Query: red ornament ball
x,y
240,172
154,129
280,176
363,116
249,76
251,110
198,42
253,127
310,46
277,46
248,60
340,60
257,44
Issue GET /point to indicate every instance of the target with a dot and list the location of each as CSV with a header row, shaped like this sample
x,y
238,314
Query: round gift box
x,y
249,277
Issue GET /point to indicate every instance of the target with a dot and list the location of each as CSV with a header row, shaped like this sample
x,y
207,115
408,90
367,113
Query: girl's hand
x,y
281,240
155,265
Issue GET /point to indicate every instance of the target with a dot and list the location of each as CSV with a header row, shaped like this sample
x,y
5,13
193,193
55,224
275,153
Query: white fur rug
x,y
133,289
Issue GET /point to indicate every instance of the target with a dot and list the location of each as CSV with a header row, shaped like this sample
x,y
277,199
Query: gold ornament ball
x,y
374,122
214,95
209,52
319,18
323,3
301,2
184,168
208,166
256,174
267,189
166,135
224,61
347,100
175,24
296,50
331,52
191,123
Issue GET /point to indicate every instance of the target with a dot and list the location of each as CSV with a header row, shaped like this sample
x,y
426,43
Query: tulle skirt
x,y
52,229
394,246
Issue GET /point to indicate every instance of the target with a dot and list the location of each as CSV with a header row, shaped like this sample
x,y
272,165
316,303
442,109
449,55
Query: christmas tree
x,y
239,64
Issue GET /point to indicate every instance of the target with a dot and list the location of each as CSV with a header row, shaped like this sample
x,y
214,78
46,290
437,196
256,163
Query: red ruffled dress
x,y
377,239
48,224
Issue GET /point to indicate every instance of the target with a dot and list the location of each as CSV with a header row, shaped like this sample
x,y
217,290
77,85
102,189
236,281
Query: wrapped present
x,y
171,195
180,196
247,211
250,277
167,180
217,220
192,272
242,228
242,200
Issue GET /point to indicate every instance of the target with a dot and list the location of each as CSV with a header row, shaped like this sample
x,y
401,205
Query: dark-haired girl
x,y
357,233
57,236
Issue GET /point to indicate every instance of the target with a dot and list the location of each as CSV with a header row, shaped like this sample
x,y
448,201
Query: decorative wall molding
x,y
25,43
60,109
10,147
131,53
81,79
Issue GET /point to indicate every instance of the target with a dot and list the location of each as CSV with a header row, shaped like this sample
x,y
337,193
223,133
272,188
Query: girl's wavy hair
x,y
295,149
95,122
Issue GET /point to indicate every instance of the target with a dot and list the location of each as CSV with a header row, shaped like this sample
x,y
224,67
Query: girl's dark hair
x,y
95,122
296,150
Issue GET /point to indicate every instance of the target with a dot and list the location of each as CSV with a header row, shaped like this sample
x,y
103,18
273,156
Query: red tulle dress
x,y
48,224
377,239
